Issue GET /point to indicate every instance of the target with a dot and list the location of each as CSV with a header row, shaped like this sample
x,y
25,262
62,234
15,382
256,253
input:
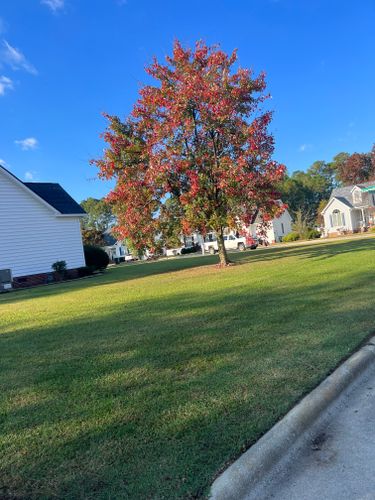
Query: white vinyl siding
x,y
32,236
281,226
338,216
276,229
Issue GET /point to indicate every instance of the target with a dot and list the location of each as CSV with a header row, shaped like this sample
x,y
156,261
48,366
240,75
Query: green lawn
x,y
147,381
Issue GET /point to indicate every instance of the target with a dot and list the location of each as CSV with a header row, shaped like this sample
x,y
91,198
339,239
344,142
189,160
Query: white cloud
x,y
304,147
28,143
54,5
5,84
29,176
3,163
15,59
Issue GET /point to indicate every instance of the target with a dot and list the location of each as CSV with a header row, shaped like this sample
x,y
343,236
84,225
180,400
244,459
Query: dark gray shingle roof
x,y
108,238
55,196
344,201
344,194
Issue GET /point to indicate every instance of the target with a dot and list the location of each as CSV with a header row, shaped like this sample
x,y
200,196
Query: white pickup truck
x,y
231,242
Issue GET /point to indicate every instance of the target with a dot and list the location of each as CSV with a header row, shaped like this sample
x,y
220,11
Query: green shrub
x,y
372,229
293,236
313,234
59,266
96,258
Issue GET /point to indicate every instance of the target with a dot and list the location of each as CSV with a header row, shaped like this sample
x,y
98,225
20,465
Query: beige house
x,y
350,209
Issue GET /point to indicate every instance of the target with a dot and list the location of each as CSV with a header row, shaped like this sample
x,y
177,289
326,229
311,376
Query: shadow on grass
x,y
152,401
127,272
321,250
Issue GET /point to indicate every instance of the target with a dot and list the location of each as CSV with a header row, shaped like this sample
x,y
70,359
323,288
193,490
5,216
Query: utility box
x,y
5,279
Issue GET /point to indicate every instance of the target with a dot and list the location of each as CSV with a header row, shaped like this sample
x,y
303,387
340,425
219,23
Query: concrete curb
x,y
254,465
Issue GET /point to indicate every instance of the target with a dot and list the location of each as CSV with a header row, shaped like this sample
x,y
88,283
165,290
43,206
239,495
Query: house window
x,y
282,228
210,237
338,218
189,241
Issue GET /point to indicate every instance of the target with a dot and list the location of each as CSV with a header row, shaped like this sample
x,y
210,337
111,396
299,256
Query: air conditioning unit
x,y
5,279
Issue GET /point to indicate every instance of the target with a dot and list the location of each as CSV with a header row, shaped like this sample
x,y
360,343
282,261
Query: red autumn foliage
x,y
357,168
196,142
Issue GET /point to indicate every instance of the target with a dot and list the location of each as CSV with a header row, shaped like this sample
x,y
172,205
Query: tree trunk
x,y
223,256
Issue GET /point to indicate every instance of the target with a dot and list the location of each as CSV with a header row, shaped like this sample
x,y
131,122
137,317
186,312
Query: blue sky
x,y
64,62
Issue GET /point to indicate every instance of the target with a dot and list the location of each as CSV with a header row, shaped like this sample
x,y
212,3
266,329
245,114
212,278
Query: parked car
x,y
231,242
130,258
252,242
172,252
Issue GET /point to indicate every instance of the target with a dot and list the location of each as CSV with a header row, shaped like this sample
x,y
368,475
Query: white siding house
x,y
350,209
272,233
35,233
276,229
116,249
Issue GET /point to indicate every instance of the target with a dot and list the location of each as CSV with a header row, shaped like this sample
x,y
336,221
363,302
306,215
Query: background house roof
x,y
344,194
344,201
108,238
55,196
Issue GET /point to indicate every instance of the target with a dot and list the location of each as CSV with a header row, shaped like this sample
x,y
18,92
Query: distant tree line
x,y
307,193
99,219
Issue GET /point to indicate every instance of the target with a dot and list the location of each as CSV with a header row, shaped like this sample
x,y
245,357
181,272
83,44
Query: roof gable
x,y
346,191
56,196
340,199
51,194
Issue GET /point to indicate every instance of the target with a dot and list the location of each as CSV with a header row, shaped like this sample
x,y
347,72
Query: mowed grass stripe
x,y
148,380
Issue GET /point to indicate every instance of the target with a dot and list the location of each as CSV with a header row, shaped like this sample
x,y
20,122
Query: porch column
x,y
201,241
363,218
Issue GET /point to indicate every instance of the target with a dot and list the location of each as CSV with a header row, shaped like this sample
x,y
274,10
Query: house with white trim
x,y
39,225
272,232
350,209
116,249
275,230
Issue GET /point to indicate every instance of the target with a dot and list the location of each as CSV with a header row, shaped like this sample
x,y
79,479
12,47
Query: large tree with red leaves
x,y
195,150
357,168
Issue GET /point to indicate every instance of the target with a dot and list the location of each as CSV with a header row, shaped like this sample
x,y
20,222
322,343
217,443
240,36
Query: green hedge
x,y
293,236
313,234
96,258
